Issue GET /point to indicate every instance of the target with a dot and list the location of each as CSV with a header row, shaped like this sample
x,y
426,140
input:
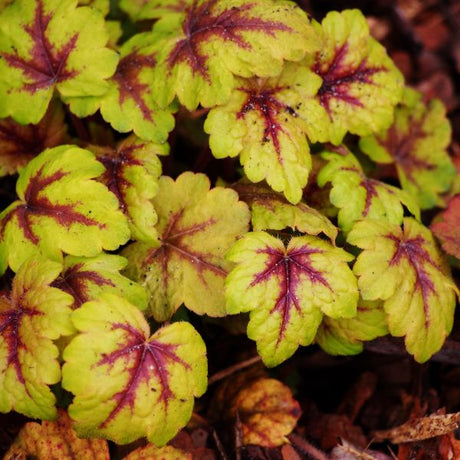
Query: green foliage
x,y
97,242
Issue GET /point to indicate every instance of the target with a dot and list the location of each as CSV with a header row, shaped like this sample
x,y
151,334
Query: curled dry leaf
x,y
420,428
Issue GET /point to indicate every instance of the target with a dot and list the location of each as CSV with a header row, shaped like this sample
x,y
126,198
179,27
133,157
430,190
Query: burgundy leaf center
x,y
290,270
144,360
47,64
338,77
203,24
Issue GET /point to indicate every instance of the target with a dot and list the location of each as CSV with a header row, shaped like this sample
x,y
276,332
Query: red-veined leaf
x,y
196,226
32,315
417,143
447,229
360,197
288,289
128,104
128,385
261,124
56,441
405,269
49,45
85,279
60,208
132,172
201,48
361,85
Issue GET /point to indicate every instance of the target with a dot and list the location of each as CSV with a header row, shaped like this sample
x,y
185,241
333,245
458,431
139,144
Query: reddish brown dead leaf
x,y
449,447
267,411
56,441
448,229
420,428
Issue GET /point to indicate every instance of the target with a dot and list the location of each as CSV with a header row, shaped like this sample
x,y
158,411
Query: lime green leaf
x,y
447,228
417,143
196,227
359,197
344,336
270,210
158,453
361,85
49,45
128,385
287,290
132,172
32,315
60,208
56,441
260,123
85,279
405,269
102,5
128,105
200,49
19,143
139,10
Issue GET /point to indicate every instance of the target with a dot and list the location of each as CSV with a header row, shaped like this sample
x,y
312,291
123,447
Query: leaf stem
x,y
232,369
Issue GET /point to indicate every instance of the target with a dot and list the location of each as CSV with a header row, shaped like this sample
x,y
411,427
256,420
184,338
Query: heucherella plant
x,y
118,241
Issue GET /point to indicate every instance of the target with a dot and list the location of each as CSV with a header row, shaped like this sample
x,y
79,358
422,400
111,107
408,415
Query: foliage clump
x,y
309,239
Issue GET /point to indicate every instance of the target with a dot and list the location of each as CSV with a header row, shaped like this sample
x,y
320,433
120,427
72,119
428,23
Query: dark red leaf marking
x,y
265,102
129,84
338,77
172,241
202,24
76,282
402,147
143,360
289,269
47,65
116,162
417,256
11,316
36,206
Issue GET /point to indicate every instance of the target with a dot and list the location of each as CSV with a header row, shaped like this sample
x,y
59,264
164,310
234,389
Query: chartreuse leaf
x,y
102,5
49,45
19,143
132,172
196,227
260,123
85,279
360,83
203,46
359,197
128,105
344,336
405,269
56,440
61,209
128,385
288,290
32,315
267,411
447,228
271,210
417,143
139,10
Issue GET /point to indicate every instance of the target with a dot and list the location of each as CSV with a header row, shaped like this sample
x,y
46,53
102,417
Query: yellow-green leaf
x,y
287,290
405,269
196,227
32,315
128,384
